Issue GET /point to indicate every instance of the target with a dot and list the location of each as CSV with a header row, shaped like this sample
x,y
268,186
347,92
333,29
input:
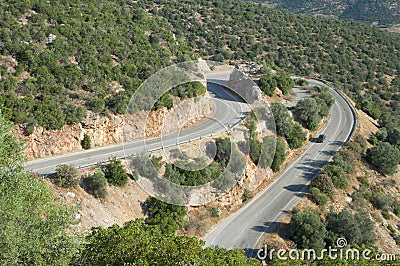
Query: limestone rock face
x,y
106,130
244,87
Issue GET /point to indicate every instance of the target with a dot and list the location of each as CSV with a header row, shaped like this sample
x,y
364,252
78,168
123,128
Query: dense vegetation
x,y
35,230
310,111
33,227
353,222
268,152
66,176
168,217
228,164
56,63
137,243
385,155
94,51
385,12
115,172
192,178
307,229
360,60
61,58
268,83
96,184
286,127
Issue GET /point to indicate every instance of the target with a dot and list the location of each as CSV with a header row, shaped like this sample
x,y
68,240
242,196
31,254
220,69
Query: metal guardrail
x,y
344,97
341,94
160,148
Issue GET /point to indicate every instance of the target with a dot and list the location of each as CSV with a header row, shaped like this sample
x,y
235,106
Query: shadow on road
x,y
220,92
300,190
267,227
311,168
337,143
315,164
297,188
329,153
251,252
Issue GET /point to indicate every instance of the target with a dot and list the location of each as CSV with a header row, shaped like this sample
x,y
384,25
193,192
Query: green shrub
x,y
384,157
283,119
337,175
66,176
86,142
284,82
357,228
214,212
246,195
296,136
96,105
373,140
385,215
319,198
268,84
307,110
396,209
96,184
364,182
357,145
280,155
324,183
255,150
223,151
382,134
115,173
307,230
339,160
168,217
164,101
382,201
156,161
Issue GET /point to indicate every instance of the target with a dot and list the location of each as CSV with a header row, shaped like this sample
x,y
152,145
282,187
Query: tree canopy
x,y
384,157
141,244
34,228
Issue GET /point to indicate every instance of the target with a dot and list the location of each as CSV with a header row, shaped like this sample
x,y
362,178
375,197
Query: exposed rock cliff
x,y
244,87
105,130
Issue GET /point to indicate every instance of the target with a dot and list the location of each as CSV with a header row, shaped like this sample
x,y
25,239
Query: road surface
x,y
228,110
247,227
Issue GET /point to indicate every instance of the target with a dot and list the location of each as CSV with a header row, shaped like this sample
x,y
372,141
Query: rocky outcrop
x,y
102,130
105,130
244,87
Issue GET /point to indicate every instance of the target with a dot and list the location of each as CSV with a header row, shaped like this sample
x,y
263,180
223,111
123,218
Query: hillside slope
x,y
58,59
382,12
362,61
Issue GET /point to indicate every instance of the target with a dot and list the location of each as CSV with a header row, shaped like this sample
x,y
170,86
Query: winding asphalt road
x,y
228,110
247,228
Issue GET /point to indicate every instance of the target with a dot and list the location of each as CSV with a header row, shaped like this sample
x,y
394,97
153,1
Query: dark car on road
x,y
321,138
